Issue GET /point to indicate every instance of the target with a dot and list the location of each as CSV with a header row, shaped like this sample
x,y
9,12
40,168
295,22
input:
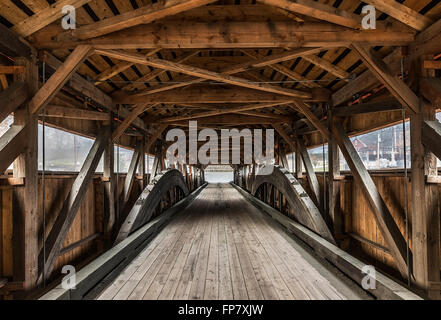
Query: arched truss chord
x,y
145,206
305,211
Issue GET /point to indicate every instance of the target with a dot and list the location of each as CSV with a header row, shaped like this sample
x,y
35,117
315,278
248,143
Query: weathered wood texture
x,y
217,251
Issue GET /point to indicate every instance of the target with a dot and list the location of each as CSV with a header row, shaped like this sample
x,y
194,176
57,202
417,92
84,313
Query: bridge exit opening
x,y
219,174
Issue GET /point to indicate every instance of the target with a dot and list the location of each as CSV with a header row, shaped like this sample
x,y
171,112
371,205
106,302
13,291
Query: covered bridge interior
x,y
130,71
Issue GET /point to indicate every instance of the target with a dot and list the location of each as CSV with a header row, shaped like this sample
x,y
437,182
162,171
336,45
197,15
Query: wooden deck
x,y
222,247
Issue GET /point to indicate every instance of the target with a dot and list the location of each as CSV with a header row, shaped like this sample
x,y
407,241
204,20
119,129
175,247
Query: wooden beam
x,y
261,61
137,110
319,11
204,94
156,73
78,83
231,120
328,66
26,222
11,45
219,112
283,70
388,227
431,137
59,78
155,136
425,197
427,42
231,35
71,205
430,88
118,68
432,64
201,73
45,17
155,166
396,86
143,15
12,98
130,177
12,144
365,80
305,109
369,107
110,217
284,135
4,82
334,208
402,13
75,113
11,69
310,173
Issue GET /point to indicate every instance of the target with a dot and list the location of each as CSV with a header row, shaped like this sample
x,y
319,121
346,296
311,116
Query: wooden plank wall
x,y
6,258
362,238
88,221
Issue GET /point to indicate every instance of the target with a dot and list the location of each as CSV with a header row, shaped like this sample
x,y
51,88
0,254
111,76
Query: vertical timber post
x,y
299,167
109,187
334,211
425,212
141,163
25,215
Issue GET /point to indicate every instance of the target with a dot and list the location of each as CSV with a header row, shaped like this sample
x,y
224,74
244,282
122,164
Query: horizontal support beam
x,y
219,112
370,107
213,94
199,35
75,113
231,119
11,69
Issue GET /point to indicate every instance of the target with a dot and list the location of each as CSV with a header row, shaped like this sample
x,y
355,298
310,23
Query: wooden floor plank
x,y
222,247
211,291
186,279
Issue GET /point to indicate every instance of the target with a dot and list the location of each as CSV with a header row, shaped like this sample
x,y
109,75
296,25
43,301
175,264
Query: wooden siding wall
x,y
88,221
362,237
